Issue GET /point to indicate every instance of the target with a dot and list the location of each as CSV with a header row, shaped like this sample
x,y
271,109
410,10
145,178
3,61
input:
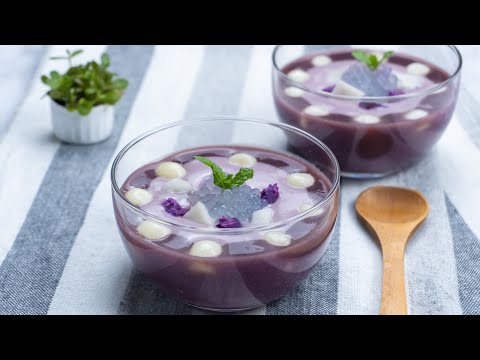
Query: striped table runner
x,y
60,252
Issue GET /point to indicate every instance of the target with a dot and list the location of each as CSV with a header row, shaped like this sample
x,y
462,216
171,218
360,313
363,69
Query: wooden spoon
x,y
393,215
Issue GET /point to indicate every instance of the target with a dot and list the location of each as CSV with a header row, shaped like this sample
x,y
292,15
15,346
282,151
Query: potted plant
x,y
83,99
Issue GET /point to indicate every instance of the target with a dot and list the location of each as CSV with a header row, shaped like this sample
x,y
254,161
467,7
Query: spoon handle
x,y
394,299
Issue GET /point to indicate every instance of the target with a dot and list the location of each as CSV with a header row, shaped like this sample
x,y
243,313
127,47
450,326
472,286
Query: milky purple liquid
x,y
271,170
250,272
368,149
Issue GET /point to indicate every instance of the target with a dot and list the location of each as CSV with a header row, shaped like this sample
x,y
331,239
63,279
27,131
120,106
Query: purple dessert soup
x,y
376,119
225,229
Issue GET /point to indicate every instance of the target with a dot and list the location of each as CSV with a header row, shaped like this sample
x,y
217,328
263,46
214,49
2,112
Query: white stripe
x,y
98,268
17,65
360,262
257,100
458,161
470,73
28,148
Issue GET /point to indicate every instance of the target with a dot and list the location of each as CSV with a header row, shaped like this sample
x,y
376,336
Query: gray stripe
x,y
24,72
318,294
143,298
33,267
217,91
467,254
468,110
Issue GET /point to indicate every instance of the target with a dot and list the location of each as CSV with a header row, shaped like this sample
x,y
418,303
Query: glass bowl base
x,y
225,311
373,176
364,176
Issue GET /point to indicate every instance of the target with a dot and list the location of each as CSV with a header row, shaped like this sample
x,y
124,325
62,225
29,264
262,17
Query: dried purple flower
x,y
396,93
329,89
271,193
172,207
226,223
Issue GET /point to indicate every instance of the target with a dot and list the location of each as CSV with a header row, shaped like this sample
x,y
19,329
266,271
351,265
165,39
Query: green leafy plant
x,y
84,86
223,179
371,60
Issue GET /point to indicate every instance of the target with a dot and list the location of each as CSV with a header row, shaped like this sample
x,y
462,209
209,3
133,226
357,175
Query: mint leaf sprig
x,y
223,179
371,60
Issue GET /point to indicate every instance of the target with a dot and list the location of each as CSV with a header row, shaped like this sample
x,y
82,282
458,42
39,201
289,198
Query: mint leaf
x,y
361,56
387,55
242,176
374,62
219,176
223,179
371,61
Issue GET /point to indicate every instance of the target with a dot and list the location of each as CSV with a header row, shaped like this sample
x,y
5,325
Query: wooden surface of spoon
x,y
393,215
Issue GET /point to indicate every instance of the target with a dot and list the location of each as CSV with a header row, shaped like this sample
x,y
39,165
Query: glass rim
x,y
212,231
380,99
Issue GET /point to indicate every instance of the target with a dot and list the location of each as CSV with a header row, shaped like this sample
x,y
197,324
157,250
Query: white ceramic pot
x,y
73,128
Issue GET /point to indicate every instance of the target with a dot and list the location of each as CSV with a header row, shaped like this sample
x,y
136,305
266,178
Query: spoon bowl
x,y
393,215
392,205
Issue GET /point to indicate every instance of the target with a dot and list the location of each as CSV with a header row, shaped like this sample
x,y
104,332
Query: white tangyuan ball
x,y
138,196
153,231
177,186
278,238
418,69
206,248
170,170
300,180
298,75
242,159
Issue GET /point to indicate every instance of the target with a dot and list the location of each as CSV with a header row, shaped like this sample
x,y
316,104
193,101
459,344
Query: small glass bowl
x,y
409,126
228,282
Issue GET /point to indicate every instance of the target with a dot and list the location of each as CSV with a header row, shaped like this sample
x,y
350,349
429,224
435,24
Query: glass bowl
x,y
370,136
234,280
